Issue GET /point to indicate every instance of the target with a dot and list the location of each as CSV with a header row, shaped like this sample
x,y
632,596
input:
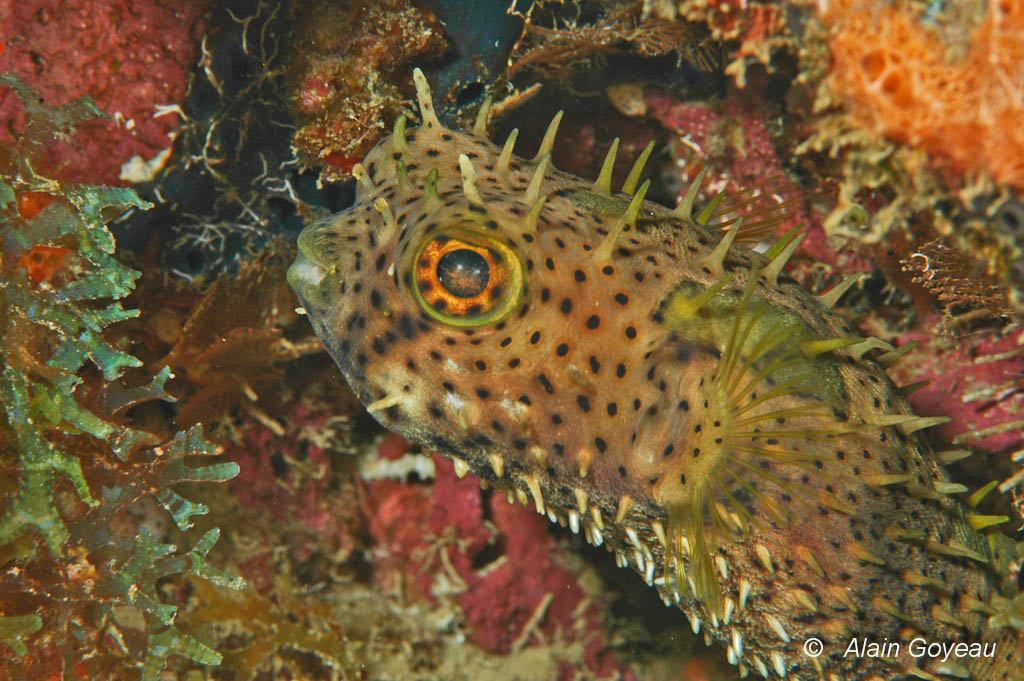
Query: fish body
x,y
677,398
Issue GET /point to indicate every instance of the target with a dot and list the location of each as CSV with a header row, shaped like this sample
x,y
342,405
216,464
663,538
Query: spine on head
x,y
426,102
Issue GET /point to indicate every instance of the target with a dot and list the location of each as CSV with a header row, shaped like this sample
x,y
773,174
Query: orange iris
x,y
459,278
466,278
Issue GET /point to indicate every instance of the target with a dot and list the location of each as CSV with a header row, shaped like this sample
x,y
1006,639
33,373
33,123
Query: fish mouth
x,y
305,276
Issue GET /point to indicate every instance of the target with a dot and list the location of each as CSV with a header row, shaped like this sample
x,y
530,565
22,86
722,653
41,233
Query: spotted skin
x,y
688,408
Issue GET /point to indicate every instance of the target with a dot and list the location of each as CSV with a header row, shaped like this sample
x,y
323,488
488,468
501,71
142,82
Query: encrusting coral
x,y
133,61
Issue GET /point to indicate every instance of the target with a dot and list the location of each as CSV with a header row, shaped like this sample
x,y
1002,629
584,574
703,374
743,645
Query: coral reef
x,y
734,140
470,548
621,28
966,293
758,28
977,384
362,556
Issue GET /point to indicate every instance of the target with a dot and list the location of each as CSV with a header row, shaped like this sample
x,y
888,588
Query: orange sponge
x,y
895,74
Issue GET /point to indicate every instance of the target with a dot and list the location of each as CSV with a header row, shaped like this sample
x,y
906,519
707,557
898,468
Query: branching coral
x,y
79,595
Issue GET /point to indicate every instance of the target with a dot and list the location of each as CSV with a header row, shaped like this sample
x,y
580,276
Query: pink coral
x,y
130,57
502,570
735,139
284,474
977,384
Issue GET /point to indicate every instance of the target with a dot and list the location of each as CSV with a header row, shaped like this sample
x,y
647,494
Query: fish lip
x,y
305,276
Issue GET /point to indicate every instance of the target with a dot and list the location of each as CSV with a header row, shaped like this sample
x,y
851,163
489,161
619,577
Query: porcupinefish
x,y
678,398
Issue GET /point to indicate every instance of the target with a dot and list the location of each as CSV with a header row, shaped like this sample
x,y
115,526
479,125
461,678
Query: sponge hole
x,y
873,64
892,84
898,90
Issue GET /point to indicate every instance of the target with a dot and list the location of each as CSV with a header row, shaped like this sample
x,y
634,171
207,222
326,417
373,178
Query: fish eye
x,y
467,279
463,273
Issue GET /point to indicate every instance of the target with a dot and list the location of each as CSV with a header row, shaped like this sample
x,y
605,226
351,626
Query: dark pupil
x,y
463,273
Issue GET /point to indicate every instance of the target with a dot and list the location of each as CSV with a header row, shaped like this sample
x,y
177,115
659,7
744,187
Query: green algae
x,y
70,471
